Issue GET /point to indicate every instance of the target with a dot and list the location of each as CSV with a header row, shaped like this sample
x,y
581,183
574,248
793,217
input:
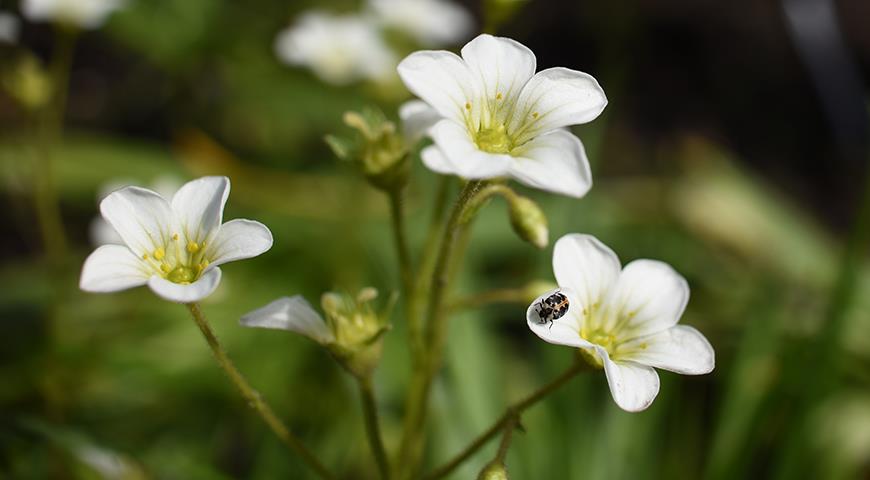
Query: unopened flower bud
x,y
529,221
495,470
378,151
357,328
28,83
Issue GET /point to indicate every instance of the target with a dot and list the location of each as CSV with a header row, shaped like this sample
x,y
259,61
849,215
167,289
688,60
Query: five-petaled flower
x,y
624,320
81,13
500,118
175,247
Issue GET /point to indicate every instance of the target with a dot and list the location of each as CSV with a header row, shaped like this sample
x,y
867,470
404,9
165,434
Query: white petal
x,y
586,266
502,67
417,118
111,268
633,386
238,239
141,217
194,292
562,331
435,160
199,206
648,297
560,97
290,313
461,152
680,349
555,162
442,80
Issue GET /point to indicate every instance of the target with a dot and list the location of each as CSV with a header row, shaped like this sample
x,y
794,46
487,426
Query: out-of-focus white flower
x,y
100,232
623,319
81,13
175,247
430,22
500,118
339,49
9,28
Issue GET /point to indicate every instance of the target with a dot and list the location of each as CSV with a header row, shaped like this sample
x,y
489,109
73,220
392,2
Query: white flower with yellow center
x,y
339,49
500,118
430,22
623,319
175,247
81,13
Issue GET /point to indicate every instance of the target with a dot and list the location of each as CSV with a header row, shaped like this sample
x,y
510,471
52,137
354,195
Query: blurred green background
x,y
734,147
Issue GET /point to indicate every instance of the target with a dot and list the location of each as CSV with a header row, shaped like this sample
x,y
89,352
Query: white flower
x,y
623,319
175,247
500,118
339,49
9,28
100,232
82,13
430,22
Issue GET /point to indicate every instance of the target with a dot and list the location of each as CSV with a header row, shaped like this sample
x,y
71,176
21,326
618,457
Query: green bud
x,y
494,470
378,150
357,328
528,221
28,83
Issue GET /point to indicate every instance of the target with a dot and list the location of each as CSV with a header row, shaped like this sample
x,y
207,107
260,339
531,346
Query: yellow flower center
x,y
178,262
494,139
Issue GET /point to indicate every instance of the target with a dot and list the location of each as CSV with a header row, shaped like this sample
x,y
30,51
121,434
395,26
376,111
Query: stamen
x,y
467,105
498,96
192,247
159,254
165,267
175,236
535,115
144,256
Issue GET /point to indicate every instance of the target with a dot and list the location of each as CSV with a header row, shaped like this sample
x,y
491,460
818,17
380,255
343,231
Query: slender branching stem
x,y
373,428
406,269
253,398
508,420
434,334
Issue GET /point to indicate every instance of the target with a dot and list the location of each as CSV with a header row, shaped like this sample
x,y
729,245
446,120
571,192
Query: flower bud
x,y
357,328
378,150
528,221
494,470
28,83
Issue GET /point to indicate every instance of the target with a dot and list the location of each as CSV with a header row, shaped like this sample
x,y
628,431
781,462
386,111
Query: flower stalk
x,y
509,419
252,397
373,429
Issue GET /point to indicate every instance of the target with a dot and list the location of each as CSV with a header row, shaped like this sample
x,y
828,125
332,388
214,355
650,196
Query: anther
x,y
159,254
175,236
498,96
192,247
467,106
535,115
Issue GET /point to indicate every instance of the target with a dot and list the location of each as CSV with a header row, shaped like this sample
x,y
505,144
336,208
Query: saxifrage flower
x,y
175,247
500,118
623,319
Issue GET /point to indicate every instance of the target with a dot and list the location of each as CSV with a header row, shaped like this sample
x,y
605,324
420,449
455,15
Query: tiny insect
x,y
552,308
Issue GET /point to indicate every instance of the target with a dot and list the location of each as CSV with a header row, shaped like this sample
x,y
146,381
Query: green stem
x,y
373,429
511,414
506,437
50,129
398,221
252,397
434,335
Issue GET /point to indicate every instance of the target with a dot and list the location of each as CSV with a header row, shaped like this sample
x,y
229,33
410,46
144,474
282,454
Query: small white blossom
x,y
430,22
82,13
624,319
339,49
176,246
10,27
500,118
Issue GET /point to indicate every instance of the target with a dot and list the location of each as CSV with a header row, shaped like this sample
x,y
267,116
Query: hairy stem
x,y
252,397
373,429
509,418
